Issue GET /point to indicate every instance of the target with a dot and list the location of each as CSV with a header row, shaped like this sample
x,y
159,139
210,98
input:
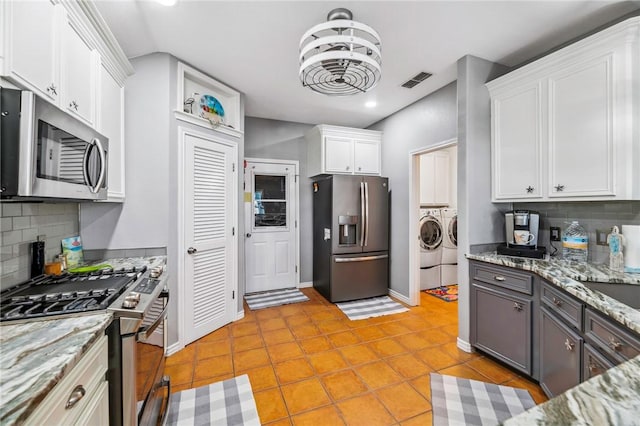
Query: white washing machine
x,y
449,270
431,237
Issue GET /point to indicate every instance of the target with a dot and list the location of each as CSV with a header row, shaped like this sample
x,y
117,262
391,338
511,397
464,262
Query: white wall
x,y
479,220
429,121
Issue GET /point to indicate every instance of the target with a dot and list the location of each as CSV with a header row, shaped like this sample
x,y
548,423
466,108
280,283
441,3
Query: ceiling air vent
x,y
417,79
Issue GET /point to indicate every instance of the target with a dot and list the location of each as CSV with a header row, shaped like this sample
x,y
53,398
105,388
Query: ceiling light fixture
x,y
341,56
371,104
167,2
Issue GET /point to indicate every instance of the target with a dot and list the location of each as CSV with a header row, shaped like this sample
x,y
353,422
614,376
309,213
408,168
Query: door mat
x,y
274,298
369,308
225,403
448,293
459,401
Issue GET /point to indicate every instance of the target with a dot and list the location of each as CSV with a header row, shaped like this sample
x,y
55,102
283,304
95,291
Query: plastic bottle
x,y
575,243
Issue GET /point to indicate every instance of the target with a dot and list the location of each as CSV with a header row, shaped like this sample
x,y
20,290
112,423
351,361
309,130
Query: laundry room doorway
x,y
433,218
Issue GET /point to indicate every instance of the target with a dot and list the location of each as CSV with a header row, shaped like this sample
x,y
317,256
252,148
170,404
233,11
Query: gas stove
x,y
66,294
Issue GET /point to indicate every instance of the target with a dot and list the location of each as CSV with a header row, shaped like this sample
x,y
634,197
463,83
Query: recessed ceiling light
x,y
167,2
371,104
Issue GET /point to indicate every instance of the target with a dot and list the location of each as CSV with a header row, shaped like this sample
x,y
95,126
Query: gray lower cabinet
x,y
502,326
560,355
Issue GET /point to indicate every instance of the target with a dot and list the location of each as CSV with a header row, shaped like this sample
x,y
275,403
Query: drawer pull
x,y
593,368
569,345
616,346
76,395
517,306
557,302
498,278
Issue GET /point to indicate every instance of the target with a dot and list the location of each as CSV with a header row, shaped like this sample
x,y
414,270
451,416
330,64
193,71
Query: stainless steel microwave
x,y
48,154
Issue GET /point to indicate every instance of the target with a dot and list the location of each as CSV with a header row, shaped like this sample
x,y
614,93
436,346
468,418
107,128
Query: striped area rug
x,y
225,403
369,308
458,401
274,298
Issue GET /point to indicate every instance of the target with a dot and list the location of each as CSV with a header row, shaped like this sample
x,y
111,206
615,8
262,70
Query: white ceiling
x,y
253,46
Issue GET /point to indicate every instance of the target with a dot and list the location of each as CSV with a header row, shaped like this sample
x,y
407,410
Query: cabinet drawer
x,y
503,277
594,363
89,373
611,338
562,305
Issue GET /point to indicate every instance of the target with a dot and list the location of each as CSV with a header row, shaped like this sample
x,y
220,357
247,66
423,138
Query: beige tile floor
x,y
309,365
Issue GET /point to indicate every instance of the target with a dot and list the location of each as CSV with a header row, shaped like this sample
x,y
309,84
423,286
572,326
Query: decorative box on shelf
x,y
206,102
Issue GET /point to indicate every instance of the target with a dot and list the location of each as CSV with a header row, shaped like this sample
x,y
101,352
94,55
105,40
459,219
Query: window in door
x,y
270,201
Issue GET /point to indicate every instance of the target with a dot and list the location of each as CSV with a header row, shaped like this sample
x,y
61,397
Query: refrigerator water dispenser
x,y
347,230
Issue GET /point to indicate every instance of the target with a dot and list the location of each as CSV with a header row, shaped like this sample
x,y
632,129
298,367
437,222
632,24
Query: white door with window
x,y
210,278
271,242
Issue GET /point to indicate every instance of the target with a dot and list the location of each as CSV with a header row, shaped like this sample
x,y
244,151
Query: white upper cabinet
x,y
64,52
567,126
79,65
517,131
343,150
435,185
112,126
581,156
31,45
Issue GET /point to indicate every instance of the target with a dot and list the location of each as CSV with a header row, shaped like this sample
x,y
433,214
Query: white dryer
x,y
449,270
431,237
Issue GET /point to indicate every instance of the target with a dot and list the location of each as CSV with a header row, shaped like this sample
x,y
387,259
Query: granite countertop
x,y
138,262
34,356
611,398
567,275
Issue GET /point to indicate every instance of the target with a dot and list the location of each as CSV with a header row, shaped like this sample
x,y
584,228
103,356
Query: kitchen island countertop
x,y
35,356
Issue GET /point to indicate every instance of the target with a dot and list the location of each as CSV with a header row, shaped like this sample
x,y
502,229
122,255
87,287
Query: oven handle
x,y
145,331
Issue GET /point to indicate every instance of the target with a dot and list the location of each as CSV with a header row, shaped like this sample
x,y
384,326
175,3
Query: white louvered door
x,y
209,241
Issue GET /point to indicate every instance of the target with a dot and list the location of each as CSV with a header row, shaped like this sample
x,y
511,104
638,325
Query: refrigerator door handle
x,y
362,214
360,259
366,213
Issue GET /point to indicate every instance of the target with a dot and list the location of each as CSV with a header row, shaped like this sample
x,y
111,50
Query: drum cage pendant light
x,y
341,56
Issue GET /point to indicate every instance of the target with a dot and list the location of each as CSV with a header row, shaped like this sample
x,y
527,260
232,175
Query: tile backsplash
x,y
592,215
21,223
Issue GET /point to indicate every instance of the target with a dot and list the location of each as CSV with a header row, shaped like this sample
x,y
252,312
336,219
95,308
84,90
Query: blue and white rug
x,y
369,308
224,403
274,298
458,401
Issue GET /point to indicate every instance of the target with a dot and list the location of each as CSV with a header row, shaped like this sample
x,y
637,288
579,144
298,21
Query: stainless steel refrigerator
x,y
351,237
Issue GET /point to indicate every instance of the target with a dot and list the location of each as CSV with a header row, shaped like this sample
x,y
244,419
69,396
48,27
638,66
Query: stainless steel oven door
x,y
152,388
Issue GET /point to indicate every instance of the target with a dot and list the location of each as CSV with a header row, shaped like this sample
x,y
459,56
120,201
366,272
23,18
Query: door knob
x,y
248,235
191,250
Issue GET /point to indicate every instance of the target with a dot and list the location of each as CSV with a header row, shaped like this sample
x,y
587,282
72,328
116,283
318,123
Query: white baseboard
x,y
239,315
306,284
174,348
465,346
400,297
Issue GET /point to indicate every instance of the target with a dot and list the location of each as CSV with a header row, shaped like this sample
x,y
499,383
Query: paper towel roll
x,y
631,247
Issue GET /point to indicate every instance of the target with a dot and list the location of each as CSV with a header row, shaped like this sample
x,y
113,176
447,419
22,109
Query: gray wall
x,y
427,122
21,223
592,215
479,220
284,140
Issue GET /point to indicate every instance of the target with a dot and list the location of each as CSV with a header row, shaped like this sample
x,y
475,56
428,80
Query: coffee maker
x,y
521,229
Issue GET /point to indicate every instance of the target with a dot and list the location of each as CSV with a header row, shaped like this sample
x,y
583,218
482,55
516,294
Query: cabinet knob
x,y
191,250
569,345
559,188
359,168
348,168
498,278
557,302
52,89
517,306
74,105
529,189
76,395
616,346
593,368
